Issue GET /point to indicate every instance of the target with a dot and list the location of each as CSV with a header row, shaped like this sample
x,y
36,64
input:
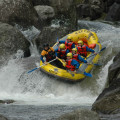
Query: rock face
x,y
11,40
50,35
40,2
66,9
18,11
114,69
91,8
3,118
80,115
113,13
6,101
45,13
108,101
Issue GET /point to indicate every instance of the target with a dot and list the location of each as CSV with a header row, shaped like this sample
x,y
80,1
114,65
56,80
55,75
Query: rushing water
x,y
38,92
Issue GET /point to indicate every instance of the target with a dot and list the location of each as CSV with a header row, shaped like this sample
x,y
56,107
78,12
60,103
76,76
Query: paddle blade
x,y
98,64
102,49
87,74
32,70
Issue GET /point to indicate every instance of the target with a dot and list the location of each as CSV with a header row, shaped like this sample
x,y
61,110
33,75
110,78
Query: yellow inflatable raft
x,y
90,38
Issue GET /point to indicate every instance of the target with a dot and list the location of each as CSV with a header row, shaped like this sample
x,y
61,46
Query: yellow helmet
x,y
69,55
69,37
80,41
62,46
74,49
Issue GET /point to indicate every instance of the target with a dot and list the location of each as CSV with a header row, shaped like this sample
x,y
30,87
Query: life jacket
x,y
68,45
75,56
82,50
69,66
62,53
49,54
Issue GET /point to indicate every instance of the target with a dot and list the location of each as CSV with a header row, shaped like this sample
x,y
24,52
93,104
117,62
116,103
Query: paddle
x,y
57,41
94,64
98,52
40,66
87,74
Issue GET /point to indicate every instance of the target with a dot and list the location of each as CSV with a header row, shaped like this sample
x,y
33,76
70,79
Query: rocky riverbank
x,y
108,102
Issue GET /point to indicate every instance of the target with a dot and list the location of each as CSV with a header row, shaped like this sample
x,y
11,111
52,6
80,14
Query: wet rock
x,y
113,13
61,5
3,118
108,101
83,10
45,13
66,9
11,40
18,12
40,2
50,35
114,69
6,101
80,115
91,8
117,1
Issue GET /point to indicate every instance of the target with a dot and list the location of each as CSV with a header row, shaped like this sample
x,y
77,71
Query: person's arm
x,y
42,55
56,50
67,51
41,58
73,45
89,49
52,49
62,41
75,63
81,59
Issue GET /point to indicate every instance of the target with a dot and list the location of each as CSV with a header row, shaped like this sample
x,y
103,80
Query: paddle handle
x,y
40,66
98,52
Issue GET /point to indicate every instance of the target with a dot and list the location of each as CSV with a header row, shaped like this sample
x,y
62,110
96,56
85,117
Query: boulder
x,y
83,11
3,118
18,12
108,101
61,6
66,9
81,114
113,13
12,40
45,13
110,2
6,101
114,69
117,1
40,2
90,8
50,35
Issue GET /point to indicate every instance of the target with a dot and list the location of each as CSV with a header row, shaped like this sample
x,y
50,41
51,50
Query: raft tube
x,y
88,37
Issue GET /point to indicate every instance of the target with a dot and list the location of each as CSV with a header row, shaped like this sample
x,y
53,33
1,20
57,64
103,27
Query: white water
x,y
38,88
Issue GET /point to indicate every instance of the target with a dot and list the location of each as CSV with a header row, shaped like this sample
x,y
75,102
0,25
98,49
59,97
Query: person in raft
x,y
61,52
71,64
48,52
76,56
68,43
83,49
